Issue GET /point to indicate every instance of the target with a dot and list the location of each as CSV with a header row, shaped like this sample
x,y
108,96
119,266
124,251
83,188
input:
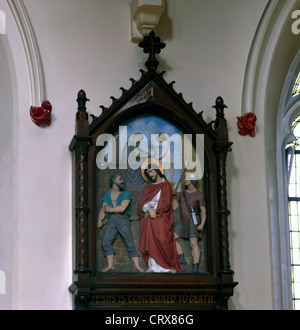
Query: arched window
x,y
293,168
287,235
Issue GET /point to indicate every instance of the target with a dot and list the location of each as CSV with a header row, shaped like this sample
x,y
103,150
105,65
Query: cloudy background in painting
x,y
150,126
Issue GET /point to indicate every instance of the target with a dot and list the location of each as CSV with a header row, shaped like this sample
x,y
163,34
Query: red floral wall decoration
x,y
41,116
246,124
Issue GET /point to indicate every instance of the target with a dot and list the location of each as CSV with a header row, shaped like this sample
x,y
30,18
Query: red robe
x,y
157,235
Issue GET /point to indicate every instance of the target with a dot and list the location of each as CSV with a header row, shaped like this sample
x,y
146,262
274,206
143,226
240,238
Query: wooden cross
x,y
152,45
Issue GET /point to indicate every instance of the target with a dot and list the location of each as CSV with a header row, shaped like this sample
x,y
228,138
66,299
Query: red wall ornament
x,y
246,124
41,116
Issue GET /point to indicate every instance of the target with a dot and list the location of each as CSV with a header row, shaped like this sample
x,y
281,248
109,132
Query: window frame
x,y
293,150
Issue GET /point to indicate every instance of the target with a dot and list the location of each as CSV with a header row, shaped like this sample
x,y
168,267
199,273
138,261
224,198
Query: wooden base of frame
x,y
153,292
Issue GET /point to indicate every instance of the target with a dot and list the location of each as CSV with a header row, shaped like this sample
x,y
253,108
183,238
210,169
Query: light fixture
x,y
145,17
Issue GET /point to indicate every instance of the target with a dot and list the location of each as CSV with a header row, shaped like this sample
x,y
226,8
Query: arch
x,y
32,52
24,68
272,53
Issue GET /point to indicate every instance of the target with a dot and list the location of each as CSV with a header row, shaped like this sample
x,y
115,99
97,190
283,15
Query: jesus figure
x,y
157,242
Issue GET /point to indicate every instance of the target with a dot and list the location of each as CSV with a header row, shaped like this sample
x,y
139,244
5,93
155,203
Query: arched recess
x,y
21,68
273,51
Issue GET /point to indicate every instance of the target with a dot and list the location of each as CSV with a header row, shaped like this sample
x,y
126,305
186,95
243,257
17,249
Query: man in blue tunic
x,y
116,206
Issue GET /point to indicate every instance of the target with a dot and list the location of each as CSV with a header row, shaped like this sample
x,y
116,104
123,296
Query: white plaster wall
x,y
86,44
208,45
6,179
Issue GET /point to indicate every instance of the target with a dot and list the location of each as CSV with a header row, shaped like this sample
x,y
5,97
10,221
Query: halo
x,y
156,164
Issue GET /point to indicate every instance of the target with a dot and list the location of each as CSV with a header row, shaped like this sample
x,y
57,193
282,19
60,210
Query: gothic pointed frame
x,y
95,290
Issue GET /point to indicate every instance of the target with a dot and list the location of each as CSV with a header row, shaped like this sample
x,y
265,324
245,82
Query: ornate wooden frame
x,y
94,290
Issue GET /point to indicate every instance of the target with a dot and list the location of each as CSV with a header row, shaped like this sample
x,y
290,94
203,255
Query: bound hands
x,y
152,214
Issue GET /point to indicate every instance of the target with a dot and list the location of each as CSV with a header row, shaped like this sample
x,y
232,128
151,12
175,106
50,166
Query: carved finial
x,y
82,115
81,100
220,122
152,45
220,106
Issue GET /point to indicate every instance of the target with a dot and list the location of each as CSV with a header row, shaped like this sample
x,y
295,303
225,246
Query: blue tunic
x,y
124,195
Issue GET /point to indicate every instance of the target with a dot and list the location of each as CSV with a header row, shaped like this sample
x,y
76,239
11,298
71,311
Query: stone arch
x,y
24,86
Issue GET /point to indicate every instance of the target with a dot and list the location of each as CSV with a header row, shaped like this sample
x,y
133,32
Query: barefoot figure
x,y
116,206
